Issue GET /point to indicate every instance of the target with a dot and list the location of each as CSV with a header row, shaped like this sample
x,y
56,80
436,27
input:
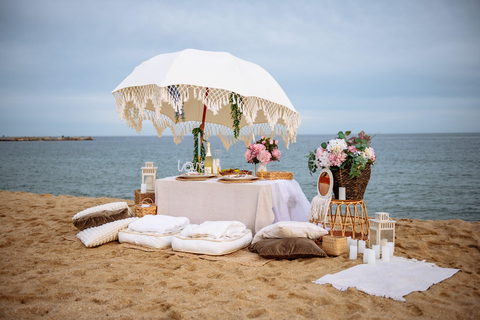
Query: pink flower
x,y
262,138
276,141
352,149
276,154
337,158
264,157
249,156
263,142
271,141
320,152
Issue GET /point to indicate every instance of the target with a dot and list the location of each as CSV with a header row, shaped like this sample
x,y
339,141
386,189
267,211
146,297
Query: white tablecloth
x,y
257,204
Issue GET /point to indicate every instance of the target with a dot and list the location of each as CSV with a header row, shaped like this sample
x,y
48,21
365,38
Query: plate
x,y
239,178
196,176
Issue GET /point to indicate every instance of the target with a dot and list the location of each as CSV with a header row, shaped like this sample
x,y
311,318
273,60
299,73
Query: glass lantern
x,y
149,176
382,229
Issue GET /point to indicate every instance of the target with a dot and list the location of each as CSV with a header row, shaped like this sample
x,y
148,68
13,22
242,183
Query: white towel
x,y
214,229
393,279
159,224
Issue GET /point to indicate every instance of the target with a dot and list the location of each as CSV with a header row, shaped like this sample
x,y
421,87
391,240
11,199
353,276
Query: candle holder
x,y
381,228
149,175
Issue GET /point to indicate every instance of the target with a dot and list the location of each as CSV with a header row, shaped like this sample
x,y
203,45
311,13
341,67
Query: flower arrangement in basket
x,y
263,151
349,159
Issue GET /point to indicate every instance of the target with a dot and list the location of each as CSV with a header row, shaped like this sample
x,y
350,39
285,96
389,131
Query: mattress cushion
x,y
209,246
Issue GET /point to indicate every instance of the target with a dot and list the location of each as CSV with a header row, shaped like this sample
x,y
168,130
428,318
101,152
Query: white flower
x,y
322,161
336,145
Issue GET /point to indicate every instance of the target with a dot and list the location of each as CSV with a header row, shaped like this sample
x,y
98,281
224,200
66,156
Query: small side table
x,y
139,197
348,218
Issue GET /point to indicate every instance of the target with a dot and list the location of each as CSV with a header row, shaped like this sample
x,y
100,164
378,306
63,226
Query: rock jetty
x,y
62,138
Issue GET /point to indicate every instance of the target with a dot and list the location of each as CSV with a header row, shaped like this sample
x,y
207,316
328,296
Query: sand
x,y
46,272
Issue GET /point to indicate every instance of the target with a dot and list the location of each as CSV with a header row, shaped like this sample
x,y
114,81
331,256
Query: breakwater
x,y
62,138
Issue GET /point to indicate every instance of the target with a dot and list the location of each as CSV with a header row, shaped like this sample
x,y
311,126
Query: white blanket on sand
x,y
394,279
214,230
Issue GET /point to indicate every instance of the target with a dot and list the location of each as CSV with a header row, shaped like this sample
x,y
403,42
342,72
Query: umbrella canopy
x,y
175,90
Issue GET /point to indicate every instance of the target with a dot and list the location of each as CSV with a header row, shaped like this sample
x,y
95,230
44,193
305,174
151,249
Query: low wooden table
x,y
348,218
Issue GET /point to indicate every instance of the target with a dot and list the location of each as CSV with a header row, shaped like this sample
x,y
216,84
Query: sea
x,y
417,176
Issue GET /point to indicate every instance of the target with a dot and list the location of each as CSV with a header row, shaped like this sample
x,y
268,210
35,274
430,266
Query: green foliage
x,y
311,162
235,113
196,132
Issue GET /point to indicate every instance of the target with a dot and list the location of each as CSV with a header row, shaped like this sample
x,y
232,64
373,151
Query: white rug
x,y
394,279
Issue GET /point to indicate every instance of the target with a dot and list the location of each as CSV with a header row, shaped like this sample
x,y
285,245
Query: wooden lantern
x,y
382,228
149,176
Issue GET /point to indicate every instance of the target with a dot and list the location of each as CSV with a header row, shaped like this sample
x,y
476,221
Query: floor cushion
x,y
98,215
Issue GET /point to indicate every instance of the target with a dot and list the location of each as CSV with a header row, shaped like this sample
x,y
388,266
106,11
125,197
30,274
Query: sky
x,y
378,66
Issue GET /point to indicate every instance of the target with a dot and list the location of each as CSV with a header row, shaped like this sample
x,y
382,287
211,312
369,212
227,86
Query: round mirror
x,y
325,183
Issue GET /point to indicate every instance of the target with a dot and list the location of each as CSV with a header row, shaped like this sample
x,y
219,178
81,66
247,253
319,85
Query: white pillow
x,y
290,229
96,236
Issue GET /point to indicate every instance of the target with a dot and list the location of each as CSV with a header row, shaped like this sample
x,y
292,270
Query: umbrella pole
x,y
202,126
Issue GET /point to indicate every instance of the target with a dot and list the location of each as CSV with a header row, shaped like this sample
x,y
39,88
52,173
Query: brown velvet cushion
x,y
98,218
287,248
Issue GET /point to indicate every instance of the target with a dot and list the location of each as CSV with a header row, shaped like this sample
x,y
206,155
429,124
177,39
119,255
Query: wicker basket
x,y
276,175
334,246
354,188
141,211
140,196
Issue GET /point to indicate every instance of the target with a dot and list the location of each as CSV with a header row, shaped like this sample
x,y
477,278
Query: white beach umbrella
x,y
185,89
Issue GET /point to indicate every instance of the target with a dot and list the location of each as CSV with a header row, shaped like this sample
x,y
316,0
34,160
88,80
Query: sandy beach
x,y
47,272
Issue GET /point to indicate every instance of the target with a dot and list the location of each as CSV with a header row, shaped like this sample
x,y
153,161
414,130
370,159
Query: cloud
x,y
376,56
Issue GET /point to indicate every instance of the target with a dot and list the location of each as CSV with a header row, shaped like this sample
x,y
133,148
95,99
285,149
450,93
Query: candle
x,y
361,246
391,247
143,188
365,255
385,253
349,240
383,242
371,257
376,249
353,252
341,193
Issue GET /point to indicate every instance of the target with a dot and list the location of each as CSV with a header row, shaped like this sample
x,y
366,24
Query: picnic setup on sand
x,y
214,211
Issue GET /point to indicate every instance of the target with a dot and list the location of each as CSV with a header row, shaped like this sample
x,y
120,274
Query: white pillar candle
x,y
349,239
353,252
391,247
371,257
383,242
341,193
143,188
385,253
365,255
361,246
376,249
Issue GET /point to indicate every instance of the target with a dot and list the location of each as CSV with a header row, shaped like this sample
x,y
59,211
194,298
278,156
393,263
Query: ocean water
x,y
420,176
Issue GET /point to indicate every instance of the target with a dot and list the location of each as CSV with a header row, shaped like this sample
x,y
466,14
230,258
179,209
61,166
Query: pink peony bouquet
x,y
343,151
263,151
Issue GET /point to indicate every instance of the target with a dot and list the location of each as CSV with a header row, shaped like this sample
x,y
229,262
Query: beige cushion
x,y
287,248
290,229
97,236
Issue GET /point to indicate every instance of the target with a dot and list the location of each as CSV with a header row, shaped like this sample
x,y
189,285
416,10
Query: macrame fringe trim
x,y
176,96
